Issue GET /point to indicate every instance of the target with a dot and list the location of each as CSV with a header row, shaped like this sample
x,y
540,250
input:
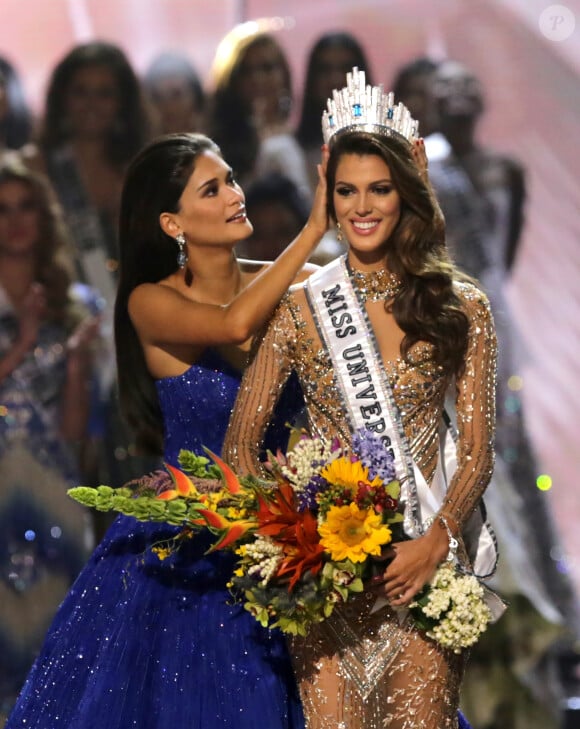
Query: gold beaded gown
x,y
365,668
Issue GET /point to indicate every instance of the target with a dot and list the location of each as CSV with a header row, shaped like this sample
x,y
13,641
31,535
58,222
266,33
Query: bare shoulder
x,y
148,297
159,289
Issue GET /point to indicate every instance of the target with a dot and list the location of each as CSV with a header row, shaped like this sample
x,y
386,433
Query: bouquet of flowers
x,y
305,538
317,530
452,608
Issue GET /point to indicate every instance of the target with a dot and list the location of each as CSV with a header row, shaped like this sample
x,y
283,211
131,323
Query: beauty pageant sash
x,y
346,332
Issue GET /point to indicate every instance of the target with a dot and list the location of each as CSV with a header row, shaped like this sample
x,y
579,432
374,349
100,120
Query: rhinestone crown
x,y
361,107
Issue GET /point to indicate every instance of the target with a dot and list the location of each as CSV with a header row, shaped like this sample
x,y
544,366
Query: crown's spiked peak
x,y
361,107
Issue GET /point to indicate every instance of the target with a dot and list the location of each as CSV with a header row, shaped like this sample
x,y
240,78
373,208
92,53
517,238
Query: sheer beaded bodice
x,y
419,387
361,668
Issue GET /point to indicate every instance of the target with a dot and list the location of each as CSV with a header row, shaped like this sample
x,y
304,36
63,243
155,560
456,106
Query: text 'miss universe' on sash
x,y
347,335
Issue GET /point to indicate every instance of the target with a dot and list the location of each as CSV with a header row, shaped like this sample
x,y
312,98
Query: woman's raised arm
x,y
162,315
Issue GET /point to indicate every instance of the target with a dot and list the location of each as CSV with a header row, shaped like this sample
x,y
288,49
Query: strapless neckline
x,y
209,359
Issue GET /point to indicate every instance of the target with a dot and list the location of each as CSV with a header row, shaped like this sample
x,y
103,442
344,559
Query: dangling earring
x,y
182,253
339,233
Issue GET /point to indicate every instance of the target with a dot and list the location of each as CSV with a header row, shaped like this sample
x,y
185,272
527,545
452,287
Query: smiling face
x,y
212,210
19,219
366,205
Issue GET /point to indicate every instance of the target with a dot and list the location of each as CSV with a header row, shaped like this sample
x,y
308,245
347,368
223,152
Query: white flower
x,y
306,459
456,601
265,556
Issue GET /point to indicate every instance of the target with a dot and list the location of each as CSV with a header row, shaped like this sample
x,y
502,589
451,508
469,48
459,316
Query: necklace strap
x,y
376,286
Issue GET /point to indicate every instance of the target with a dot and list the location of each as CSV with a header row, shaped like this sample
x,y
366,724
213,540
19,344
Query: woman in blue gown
x,y
140,642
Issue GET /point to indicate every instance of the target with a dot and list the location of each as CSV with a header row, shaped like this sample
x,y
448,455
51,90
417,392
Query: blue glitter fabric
x,y
463,723
157,645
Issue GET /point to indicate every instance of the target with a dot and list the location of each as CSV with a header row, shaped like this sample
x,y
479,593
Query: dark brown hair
x,y
427,307
131,128
153,185
308,132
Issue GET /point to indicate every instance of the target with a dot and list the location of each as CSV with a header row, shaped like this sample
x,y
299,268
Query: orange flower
x,y
277,511
232,530
296,531
231,481
183,485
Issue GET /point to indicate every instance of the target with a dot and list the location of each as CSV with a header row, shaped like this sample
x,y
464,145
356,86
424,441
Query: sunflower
x,y
353,533
348,474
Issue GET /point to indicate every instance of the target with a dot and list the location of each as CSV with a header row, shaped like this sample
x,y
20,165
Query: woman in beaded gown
x,y
140,642
363,668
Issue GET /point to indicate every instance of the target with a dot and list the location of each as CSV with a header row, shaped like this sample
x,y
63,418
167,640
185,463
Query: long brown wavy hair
x,y
427,308
53,262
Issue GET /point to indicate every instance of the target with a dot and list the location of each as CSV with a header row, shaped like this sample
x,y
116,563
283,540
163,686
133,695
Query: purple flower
x,y
307,499
374,455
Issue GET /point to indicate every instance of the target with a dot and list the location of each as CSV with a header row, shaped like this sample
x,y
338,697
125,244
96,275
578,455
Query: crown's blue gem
x,y
181,259
359,104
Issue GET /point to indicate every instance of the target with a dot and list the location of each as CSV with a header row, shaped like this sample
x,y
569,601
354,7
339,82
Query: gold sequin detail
x,y
411,682
374,286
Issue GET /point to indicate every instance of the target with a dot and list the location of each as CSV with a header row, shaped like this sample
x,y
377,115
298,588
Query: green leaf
x,y
422,621
356,585
328,571
177,508
393,488
199,466
397,518
291,627
84,495
258,612
105,491
328,608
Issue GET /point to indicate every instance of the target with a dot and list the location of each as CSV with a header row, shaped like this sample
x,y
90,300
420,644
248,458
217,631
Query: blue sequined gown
x,y
156,645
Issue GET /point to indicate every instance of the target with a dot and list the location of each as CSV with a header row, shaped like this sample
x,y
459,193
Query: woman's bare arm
x,y
163,316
